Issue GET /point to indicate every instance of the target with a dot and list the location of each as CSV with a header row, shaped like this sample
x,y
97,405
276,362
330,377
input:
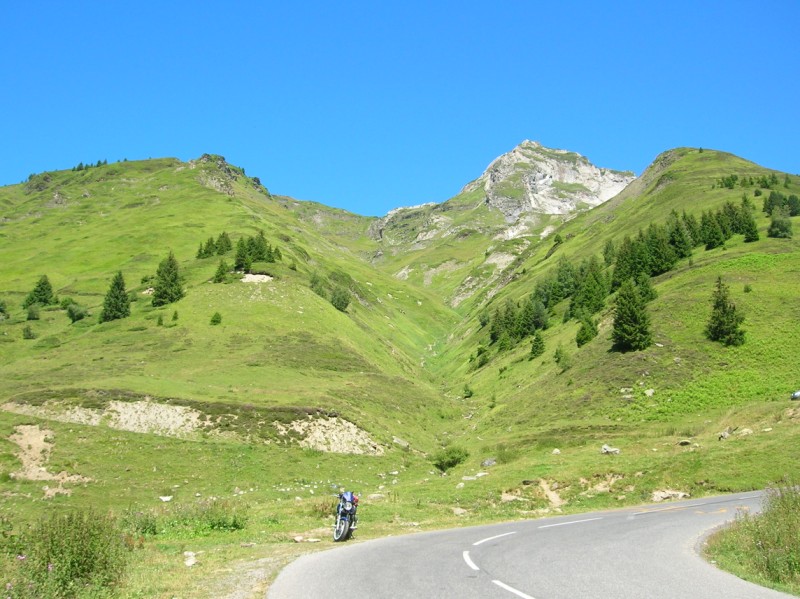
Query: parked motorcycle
x,y
346,519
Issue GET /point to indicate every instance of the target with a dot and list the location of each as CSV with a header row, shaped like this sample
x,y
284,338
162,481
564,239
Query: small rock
x,y
556,451
165,498
744,432
481,474
608,450
190,560
488,463
723,435
468,478
460,486
650,392
376,496
684,442
247,544
298,539
459,511
767,430
312,540
528,482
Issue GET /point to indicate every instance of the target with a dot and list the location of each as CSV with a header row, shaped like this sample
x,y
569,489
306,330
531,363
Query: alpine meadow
x,y
194,366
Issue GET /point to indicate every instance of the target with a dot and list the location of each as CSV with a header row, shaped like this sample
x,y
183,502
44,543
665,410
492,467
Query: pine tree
x,y
645,286
210,248
242,261
710,231
748,224
609,252
116,304
167,287
537,346
41,294
587,332
222,271
723,325
662,254
223,243
631,321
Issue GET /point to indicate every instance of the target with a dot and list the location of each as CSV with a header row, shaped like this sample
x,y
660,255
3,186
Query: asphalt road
x,y
648,552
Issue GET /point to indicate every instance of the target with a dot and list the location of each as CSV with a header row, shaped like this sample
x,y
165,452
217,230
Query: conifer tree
x,y
748,224
537,346
41,294
242,261
223,243
210,248
679,236
168,287
723,325
222,271
645,287
609,252
631,321
587,332
710,231
116,304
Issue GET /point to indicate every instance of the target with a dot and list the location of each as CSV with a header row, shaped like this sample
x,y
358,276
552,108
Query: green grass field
x,y
394,366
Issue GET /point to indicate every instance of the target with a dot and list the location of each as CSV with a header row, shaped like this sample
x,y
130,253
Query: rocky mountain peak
x,y
532,179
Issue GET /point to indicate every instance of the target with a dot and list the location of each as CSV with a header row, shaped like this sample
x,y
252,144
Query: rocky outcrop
x,y
533,179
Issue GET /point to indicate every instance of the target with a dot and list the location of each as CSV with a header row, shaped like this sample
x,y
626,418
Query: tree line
x,y
626,268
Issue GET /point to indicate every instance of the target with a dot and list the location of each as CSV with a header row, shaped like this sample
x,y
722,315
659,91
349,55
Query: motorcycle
x,y
346,519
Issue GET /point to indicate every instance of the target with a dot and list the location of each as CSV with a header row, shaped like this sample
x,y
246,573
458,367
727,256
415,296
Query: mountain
x,y
286,396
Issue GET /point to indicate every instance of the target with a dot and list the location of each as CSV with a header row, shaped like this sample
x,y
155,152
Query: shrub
x,y
64,555
340,299
216,319
780,226
27,332
76,312
33,312
3,309
468,391
449,457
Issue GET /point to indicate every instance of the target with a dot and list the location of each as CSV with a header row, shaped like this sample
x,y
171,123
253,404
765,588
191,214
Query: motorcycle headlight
x,y
348,505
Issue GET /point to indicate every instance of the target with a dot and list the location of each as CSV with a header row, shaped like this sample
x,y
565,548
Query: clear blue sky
x,y
371,106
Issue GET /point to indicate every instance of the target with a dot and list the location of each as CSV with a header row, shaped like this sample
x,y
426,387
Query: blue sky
x,y
371,106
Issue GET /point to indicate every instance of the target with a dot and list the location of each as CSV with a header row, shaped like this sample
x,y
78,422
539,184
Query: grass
x,y
396,364
763,548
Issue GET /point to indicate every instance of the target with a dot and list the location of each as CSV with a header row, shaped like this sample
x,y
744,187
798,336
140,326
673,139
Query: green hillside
x,y
261,409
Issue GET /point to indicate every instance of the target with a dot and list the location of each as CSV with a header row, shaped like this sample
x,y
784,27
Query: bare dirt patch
x,y
332,434
248,278
135,416
35,445
550,493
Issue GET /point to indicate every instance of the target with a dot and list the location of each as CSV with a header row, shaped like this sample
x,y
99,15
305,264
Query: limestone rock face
x,y
534,179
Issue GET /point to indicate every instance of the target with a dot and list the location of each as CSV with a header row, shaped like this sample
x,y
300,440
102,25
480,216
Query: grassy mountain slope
x,y
399,363
279,344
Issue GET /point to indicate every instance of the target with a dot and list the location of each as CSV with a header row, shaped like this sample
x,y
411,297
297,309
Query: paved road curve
x,y
634,553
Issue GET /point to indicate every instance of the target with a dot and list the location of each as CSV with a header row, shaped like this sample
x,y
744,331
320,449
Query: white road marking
x,y
505,534
503,585
572,522
690,506
470,563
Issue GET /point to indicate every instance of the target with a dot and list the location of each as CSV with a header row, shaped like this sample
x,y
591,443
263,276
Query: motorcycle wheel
x,y
342,529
